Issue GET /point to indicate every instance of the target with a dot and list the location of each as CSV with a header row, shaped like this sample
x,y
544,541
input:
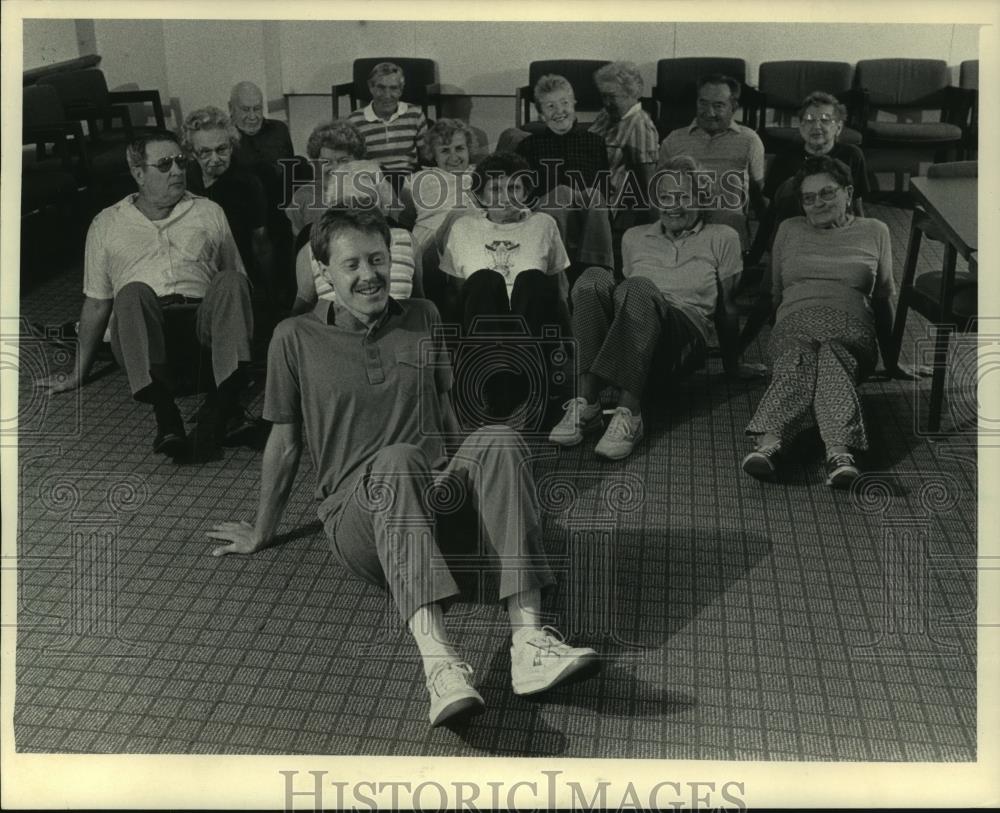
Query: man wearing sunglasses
x,y
165,262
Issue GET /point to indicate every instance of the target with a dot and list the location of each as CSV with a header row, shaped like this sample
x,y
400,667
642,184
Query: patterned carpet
x,y
740,620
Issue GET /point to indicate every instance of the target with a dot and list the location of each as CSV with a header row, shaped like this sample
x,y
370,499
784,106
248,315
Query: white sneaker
x,y
579,418
451,693
624,431
539,660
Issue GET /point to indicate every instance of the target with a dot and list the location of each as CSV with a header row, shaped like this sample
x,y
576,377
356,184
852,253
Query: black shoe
x,y
841,470
762,462
239,429
205,442
170,439
170,442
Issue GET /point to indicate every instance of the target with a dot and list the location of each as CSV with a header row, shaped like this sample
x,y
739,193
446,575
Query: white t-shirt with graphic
x,y
476,242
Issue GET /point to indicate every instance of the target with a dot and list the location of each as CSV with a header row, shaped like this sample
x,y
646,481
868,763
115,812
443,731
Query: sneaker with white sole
x,y
578,419
619,439
841,470
539,659
451,693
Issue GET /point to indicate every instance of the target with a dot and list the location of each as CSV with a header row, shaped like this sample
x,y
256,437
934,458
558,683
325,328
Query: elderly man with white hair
x,y
263,144
263,140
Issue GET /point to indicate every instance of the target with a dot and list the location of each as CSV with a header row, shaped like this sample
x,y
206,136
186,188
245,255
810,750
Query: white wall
x,y
132,53
48,41
205,58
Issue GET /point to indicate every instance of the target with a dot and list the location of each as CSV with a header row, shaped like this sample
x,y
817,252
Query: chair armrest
x,y
337,92
856,102
523,97
123,114
752,101
136,96
66,137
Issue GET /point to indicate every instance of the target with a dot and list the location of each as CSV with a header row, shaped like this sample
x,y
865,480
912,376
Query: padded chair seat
x,y
783,136
918,133
965,301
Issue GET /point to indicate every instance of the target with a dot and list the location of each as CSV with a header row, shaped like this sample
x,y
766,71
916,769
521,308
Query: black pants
x,y
503,357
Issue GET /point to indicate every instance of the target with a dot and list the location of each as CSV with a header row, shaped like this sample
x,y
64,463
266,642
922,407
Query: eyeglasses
x,y
164,163
826,119
827,194
206,152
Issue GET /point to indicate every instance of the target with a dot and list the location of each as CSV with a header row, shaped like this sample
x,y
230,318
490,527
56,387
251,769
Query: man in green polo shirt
x,y
364,382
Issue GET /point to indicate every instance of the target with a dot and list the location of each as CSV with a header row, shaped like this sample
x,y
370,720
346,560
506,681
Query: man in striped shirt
x,y
393,130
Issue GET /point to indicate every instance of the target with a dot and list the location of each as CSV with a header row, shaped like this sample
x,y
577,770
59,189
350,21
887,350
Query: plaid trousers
x,y
625,332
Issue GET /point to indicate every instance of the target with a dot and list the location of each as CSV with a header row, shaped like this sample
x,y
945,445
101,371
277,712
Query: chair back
x,y
787,83
417,75
676,89
81,91
902,83
968,74
41,106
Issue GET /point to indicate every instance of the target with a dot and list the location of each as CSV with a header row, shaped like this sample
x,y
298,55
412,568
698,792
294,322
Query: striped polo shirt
x,y
631,142
393,142
401,268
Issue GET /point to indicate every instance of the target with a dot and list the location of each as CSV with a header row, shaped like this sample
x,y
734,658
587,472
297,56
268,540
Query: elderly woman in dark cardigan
x,y
832,287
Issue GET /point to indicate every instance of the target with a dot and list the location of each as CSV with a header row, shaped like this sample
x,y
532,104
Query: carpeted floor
x,y
740,620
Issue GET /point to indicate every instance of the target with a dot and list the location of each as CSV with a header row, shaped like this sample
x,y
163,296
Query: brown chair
x,y
420,85
908,89
785,84
947,299
578,72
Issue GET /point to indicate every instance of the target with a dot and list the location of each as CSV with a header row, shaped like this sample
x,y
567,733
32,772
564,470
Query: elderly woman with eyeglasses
x,y
209,136
832,286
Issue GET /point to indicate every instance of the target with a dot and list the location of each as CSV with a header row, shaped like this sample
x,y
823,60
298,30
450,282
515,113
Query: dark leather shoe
x,y
239,429
170,442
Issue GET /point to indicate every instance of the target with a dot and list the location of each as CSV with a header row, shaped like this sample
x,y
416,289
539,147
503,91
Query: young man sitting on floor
x,y
376,424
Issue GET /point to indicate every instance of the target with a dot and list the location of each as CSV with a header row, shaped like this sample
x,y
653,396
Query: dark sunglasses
x,y
164,163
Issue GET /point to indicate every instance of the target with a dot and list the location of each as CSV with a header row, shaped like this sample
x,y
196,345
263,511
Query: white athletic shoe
x,y
451,692
579,419
624,431
539,659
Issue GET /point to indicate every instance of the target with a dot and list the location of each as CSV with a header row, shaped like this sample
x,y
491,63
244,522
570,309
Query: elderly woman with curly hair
x,y
632,143
332,145
832,288
446,185
209,136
